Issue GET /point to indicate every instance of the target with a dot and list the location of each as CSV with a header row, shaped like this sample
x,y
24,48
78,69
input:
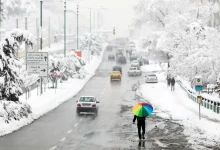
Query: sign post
x,y
199,88
37,63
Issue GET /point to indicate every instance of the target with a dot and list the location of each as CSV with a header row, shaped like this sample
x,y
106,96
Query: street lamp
x,y
77,26
64,28
64,12
41,40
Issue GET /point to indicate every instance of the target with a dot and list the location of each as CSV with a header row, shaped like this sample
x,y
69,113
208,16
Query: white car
x,y
135,63
134,71
87,104
151,78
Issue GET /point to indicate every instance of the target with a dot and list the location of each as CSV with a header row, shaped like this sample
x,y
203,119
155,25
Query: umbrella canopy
x,y
142,109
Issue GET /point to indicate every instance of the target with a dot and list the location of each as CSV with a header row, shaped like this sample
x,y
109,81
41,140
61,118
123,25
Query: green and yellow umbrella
x,y
142,109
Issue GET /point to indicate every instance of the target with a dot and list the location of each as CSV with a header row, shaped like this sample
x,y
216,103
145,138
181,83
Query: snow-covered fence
x,y
208,103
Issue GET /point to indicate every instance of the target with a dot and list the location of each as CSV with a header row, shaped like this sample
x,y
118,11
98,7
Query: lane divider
x,y
63,139
53,148
69,131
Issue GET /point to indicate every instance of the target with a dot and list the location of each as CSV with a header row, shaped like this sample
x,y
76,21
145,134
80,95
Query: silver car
x,y
134,71
151,78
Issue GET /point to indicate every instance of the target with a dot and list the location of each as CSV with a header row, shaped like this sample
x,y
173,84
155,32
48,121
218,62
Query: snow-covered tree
x,y
18,7
9,65
95,44
70,66
182,32
195,50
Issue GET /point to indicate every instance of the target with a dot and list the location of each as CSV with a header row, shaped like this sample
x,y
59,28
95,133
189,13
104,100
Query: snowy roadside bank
x,y
50,99
202,133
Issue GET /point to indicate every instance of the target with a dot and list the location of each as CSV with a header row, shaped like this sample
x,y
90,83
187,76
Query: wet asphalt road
x,y
47,131
111,129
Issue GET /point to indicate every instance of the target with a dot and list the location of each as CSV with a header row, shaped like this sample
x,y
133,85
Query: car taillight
x,y
93,105
78,105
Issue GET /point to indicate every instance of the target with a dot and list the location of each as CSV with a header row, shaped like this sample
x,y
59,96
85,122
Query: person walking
x,y
140,125
168,80
173,84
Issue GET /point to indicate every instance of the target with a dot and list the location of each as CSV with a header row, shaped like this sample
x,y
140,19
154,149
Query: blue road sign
x,y
198,88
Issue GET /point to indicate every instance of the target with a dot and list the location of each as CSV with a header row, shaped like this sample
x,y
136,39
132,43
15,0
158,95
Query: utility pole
x,y
77,26
17,23
26,48
49,31
37,33
64,28
94,24
41,40
0,18
90,20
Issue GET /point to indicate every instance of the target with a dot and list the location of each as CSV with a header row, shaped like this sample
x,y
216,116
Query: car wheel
x,y
96,112
78,112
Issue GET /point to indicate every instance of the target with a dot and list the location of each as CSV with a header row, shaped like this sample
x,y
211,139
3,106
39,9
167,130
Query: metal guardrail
x,y
207,103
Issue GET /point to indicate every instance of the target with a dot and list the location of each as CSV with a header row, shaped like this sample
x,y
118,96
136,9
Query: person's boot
x,y
143,136
139,137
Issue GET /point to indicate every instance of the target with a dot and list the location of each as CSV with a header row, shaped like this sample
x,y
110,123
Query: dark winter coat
x,y
139,119
168,80
173,81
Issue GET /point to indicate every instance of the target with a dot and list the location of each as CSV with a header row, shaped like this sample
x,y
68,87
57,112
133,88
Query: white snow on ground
x,y
51,99
154,67
184,111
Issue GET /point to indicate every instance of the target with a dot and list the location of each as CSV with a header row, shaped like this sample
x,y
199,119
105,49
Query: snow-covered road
x,y
184,111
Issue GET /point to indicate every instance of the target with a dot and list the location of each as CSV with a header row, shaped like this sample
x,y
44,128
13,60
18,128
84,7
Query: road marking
x,y
69,131
76,125
63,139
53,148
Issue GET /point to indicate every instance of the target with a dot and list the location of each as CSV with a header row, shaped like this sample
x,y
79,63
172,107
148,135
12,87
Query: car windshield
x,y
116,72
87,99
151,75
132,68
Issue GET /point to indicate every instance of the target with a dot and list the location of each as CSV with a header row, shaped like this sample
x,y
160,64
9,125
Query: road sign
x,y
37,63
198,88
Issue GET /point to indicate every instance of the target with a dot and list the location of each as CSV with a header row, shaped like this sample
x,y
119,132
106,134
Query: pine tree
x,y
9,79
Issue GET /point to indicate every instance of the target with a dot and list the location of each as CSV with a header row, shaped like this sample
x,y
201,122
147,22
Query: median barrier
x,y
206,103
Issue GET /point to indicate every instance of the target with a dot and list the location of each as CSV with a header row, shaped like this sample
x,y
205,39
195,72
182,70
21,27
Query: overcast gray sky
x,y
118,13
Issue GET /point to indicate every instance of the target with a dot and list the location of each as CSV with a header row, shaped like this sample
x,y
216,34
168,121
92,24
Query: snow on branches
x,y
96,42
184,34
70,66
18,7
9,65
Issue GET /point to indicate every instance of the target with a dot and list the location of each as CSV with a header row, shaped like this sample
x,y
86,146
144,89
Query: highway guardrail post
x,y
211,105
205,103
208,104
218,107
214,107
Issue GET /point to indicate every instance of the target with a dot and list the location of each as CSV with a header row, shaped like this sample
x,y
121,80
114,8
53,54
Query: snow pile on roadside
x,y
52,98
154,67
184,111
11,113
